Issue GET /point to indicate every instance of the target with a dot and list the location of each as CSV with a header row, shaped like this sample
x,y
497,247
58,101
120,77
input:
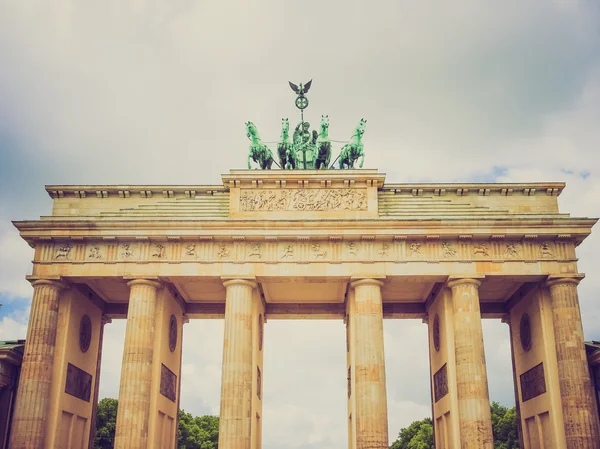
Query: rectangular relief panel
x,y
168,383
78,383
533,383
440,383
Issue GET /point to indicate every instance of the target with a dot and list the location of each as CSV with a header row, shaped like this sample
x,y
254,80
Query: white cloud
x,y
15,263
13,328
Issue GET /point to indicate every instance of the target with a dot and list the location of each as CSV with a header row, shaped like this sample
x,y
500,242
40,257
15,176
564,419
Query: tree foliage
x,y
194,432
106,422
419,434
197,432
505,427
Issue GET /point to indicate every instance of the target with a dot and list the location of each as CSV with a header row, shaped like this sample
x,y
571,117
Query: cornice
x,y
576,229
514,222
481,189
306,178
127,191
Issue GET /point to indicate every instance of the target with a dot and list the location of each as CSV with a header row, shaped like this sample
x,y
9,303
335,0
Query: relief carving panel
x,y
533,382
303,200
440,383
168,382
78,383
304,250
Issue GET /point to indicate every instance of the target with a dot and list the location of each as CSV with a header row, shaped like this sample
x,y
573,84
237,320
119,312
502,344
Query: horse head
x,y
251,131
324,125
285,129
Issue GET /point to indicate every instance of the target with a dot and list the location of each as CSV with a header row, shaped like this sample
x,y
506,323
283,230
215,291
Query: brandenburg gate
x,y
276,244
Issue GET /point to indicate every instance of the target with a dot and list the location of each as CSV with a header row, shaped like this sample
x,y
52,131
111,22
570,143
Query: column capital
x,y
54,281
249,281
556,279
473,279
365,281
143,281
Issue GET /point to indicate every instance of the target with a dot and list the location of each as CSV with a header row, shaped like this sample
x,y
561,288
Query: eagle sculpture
x,y
300,90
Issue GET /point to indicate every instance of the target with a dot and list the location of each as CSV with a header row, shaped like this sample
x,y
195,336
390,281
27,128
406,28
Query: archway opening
x,y
304,384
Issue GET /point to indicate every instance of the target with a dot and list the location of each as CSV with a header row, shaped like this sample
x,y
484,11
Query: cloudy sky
x,y
157,92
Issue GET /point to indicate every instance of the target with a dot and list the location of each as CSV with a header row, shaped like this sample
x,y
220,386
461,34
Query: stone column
x,y
33,395
370,413
236,382
105,320
579,414
475,421
136,373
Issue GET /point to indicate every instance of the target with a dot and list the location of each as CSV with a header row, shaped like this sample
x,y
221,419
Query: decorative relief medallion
x,y
384,250
172,333
415,249
317,252
480,249
126,251
436,332
223,251
512,250
303,200
190,250
78,383
352,249
260,332
546,250
448,250
258,383
63,251
440,383
85,333
288,252
255,251
168,382
525,332
95,252
533,382
159,251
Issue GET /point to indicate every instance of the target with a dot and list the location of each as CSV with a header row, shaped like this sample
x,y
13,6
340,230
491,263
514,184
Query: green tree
x,y
505,427
194,432
197,432
418,435
106,422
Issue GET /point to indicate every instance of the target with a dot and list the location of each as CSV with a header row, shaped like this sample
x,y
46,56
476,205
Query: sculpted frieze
x,y
258,200
304,250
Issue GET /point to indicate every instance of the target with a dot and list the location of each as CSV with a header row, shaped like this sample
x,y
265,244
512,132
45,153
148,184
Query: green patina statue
x,y
354,150
259,152
308,149
285,149
323,145
305,146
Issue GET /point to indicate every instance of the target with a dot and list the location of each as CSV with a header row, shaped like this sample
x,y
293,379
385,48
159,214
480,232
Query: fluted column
x,y
579,413
369,366
33,394
475,421
136,372
236,381
104,320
